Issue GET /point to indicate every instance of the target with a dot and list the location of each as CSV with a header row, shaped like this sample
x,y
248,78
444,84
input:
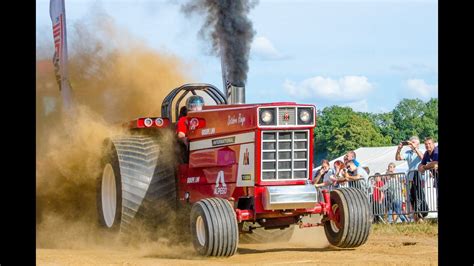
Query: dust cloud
x,y
115,78
313,237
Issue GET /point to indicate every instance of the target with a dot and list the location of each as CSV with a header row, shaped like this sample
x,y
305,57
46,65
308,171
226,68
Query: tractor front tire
x,y
353,218
214,228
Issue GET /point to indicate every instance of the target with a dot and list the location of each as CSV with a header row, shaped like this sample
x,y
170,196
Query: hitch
x,y
323,208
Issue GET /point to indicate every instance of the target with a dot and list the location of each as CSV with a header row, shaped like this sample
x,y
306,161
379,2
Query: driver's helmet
x,y
194,103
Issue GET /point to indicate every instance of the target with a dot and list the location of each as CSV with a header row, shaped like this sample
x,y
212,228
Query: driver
x,y
193,103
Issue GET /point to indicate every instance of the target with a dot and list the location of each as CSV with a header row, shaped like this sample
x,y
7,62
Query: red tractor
x,y
247,172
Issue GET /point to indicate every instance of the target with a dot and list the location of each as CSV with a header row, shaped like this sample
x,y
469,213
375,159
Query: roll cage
x,y
167,105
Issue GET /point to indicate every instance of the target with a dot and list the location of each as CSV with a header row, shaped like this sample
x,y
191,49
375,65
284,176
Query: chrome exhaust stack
x,y
234,94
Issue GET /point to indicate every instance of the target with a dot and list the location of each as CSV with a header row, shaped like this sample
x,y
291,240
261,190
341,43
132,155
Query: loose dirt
x,y
307,247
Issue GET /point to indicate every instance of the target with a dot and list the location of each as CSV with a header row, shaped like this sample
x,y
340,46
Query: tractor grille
x,y
285,155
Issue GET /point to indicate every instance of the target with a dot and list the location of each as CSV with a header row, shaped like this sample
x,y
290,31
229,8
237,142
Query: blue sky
x,y
364,54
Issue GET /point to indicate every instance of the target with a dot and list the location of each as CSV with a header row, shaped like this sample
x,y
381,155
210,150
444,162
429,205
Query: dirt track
x,y
307,246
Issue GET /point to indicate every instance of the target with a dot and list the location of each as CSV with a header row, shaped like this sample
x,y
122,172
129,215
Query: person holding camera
x,y
319,174
332,177
356,174
413,157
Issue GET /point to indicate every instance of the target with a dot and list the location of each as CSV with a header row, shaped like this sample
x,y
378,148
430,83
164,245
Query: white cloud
x,y
263,48
358,106
346,89
418,88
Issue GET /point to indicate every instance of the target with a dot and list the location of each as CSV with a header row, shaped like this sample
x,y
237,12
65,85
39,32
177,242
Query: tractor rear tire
x,y
214,228
144,183
354,218
109,191
261,235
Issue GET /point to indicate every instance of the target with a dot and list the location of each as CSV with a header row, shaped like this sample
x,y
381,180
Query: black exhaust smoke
x,y
231,32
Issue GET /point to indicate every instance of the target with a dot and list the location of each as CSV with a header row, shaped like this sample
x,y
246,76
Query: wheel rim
x,y
109,195
335,224
200,231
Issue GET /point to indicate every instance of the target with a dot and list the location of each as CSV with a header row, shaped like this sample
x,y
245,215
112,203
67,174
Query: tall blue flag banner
x,y
57,13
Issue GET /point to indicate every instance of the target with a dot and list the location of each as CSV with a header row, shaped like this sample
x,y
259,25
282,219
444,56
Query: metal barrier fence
x,y
400,197
389,197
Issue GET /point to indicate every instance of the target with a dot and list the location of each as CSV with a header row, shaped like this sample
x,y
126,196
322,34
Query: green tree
x,y
340,129
407,117
414,117
430,120
328,119
384,121
358,132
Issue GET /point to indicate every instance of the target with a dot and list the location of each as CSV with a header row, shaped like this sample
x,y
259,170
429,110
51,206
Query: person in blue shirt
x,y
413,157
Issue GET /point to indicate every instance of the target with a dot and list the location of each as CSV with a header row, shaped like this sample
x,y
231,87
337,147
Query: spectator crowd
x,y
394,197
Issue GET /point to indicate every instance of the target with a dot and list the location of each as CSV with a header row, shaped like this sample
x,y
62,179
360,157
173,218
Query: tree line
x,y
340,129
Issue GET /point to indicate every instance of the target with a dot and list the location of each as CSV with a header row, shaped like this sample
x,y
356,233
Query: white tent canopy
x,y
378,158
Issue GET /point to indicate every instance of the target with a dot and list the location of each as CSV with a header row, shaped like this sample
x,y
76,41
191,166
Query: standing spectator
x,y
430,158
390,169
430,162
332,177
377,198
413,158
319,174
394,196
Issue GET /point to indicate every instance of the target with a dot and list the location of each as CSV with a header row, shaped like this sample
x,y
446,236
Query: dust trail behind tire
x,y
313,237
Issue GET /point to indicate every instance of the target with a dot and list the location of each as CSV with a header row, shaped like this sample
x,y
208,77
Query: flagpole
x,y
60,60
67,91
